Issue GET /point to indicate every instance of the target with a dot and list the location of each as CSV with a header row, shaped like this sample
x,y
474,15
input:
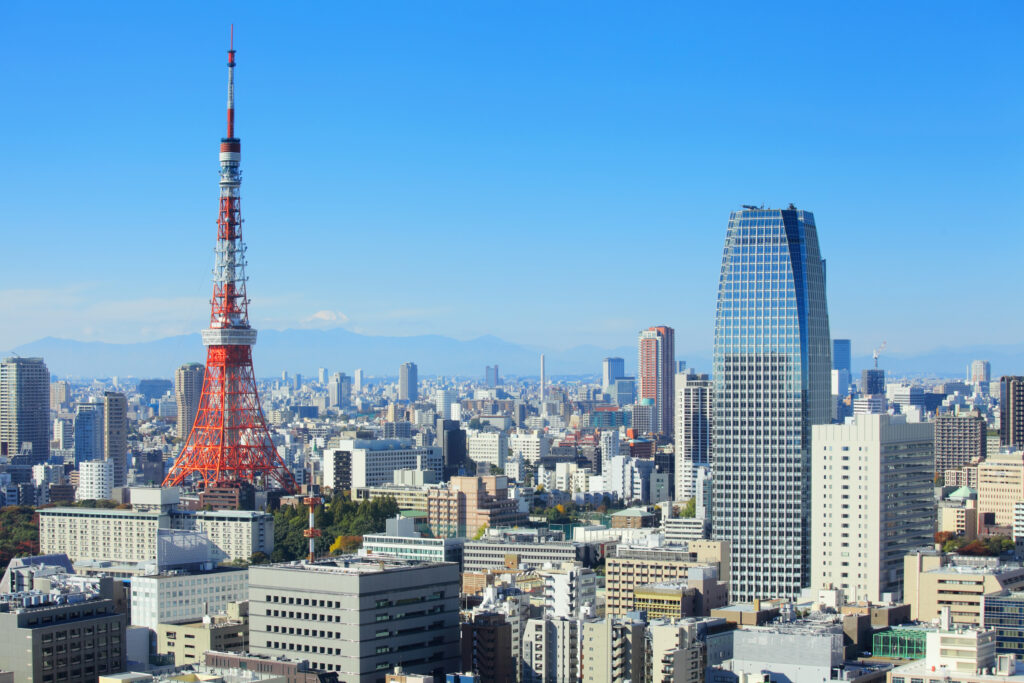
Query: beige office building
x,y
189,641
872,502
1000,485
933,580
633,567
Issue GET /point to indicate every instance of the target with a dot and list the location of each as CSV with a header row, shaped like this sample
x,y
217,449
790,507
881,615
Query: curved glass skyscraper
x,y
772,381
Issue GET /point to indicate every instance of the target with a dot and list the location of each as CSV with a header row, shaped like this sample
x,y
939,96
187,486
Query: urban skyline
x,y
853,160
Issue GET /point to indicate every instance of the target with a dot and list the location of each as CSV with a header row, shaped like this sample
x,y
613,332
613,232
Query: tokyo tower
x,y
229,442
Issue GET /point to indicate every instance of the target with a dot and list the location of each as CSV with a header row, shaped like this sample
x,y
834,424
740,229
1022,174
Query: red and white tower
x,y
229,442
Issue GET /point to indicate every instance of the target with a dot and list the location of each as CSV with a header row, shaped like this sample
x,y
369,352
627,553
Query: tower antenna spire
x,y
231,84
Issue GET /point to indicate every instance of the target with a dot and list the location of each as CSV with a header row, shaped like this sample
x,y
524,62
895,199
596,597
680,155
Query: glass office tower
x,y
772,381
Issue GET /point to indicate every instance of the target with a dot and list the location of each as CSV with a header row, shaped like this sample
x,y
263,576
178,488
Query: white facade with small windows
x,y
871,503
181,597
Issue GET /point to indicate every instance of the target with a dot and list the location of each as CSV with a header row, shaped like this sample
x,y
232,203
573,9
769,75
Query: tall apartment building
x,y
551,650
569,590
960,438
491,376
1000,485
1011,411
981,372
487,450
115,435
188,389
89,428
339,390
613,649
357,616
408,382
612,368
872,503
633,567
656,371
693,413
59,395
470,503
486,648
772,382
95,480
67,630
24,407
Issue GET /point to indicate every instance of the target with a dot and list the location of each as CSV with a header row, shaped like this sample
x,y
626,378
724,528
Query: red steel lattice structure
x,y
229,442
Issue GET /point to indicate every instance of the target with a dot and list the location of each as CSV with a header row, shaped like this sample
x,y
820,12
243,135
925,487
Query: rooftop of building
x,y
353,565
921,668
633,512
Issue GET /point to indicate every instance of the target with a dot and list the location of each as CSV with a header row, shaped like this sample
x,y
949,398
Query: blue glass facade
x,y
772,381
1005,613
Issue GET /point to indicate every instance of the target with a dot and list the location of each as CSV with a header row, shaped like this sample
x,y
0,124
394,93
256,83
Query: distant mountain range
x,y
338,349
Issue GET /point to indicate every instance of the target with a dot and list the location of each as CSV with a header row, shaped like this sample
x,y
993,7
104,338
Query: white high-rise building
x,y
95,480
693,430
188,388
872,502
408,382
609,447
357,382
532,446
444,399
487,448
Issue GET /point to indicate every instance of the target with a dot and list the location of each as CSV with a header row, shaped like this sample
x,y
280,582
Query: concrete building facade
x,y
872,502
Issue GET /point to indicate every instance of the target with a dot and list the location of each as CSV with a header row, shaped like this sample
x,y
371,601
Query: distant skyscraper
x,y
842,356
611,370
1011,411
772,362
693,430
321,376
88,432
408,382
872,381
543,380
357,383
339,390
58,395
981,372
188,388
491,375
656,372
115,435
623,391
25,407
443,400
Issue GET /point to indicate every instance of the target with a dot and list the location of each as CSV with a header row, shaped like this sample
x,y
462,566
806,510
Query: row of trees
x,y
342,522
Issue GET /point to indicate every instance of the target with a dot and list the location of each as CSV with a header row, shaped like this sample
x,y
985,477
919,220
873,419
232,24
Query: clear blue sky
x,y
551,173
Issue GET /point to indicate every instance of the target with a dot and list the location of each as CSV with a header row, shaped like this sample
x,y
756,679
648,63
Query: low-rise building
x,y
468,504
933,580
189,641
174,597
64,629
400,539
634,566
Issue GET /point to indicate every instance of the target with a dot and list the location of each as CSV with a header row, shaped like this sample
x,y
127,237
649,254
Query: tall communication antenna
x,y
229,443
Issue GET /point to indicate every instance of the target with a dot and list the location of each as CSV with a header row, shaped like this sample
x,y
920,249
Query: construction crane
x,y
877,352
